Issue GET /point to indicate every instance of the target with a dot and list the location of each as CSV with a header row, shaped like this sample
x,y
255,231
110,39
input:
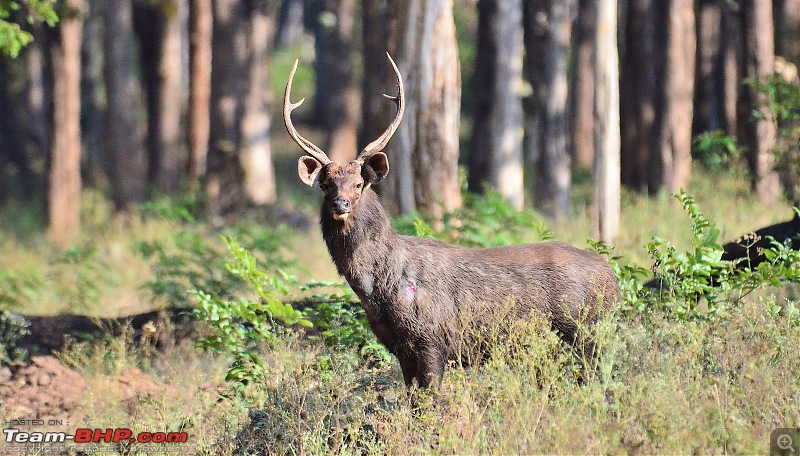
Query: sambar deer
x,y
415,290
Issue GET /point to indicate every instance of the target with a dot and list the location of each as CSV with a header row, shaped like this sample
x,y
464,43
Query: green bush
x,y
484,220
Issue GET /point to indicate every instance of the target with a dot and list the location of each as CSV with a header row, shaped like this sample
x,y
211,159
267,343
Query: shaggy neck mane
x,y
363,238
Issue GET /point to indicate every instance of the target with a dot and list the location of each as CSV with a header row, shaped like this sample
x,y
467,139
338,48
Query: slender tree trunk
x,y
255,147
759,133
583,88
336,97
63,204
640,80
290,23
496,149
658,82
607,127
375,117
730,58
424,150
159,29
200,21
787,30
548,37
239,160
91,94
121,142
674,131
708,114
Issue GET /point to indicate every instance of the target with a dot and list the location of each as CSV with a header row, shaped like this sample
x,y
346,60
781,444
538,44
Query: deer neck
x,y
361,247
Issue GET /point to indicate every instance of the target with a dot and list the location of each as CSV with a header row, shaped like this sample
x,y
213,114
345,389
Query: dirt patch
x,y
45,389
42,390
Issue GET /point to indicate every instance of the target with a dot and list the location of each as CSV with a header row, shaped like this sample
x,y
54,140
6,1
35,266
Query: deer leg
x,y
408,363
431,367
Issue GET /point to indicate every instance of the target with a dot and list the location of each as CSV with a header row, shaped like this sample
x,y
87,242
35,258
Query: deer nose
x,y
341,205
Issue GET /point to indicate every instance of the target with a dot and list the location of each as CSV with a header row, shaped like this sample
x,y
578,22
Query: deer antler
x,y
380,143
288,107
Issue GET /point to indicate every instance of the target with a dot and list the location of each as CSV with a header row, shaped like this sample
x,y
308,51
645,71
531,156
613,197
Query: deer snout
x,y
341,208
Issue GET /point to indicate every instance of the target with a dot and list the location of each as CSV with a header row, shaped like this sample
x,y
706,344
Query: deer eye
x,y
359,185
325,186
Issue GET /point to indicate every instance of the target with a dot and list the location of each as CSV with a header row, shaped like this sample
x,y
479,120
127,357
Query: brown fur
x,y
415,290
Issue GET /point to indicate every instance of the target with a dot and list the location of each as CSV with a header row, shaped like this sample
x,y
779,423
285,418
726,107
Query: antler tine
x,y
380,143
288,107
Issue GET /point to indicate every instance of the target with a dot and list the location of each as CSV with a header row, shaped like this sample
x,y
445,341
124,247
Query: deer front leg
x,y
408,363
431,367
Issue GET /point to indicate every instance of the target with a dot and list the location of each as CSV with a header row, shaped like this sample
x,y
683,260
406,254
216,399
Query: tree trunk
x,y
583,88
496,148
731,77
63,204
674,130
255,147
336,97
548,35
787,30
92,99
290,23
200,19
374,115
239,151
607,127
127,161
708,115
159,29
424,151
640,80
759,134
658,82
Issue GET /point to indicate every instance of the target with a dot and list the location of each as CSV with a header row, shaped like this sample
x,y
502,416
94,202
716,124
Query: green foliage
x,y
341,320
781,99
190,258
239,323
698,284
12,328
12,36
628,275
716,151
484,220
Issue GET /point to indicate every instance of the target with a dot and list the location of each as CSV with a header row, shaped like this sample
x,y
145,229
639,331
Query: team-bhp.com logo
x,y
86,435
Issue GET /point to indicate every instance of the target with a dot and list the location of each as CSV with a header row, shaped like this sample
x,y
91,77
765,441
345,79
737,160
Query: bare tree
x,y
121,142
548,28
425,149
607,128
200,20
496,147
159,30
759,134
63,202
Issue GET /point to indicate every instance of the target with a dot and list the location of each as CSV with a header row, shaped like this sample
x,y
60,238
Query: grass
x,y
661,385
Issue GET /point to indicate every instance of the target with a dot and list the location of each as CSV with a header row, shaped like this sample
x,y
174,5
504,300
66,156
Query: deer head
x,y
342,184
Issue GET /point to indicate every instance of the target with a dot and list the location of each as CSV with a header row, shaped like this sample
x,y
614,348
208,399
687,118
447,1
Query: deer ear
x,y
375,168
308,168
